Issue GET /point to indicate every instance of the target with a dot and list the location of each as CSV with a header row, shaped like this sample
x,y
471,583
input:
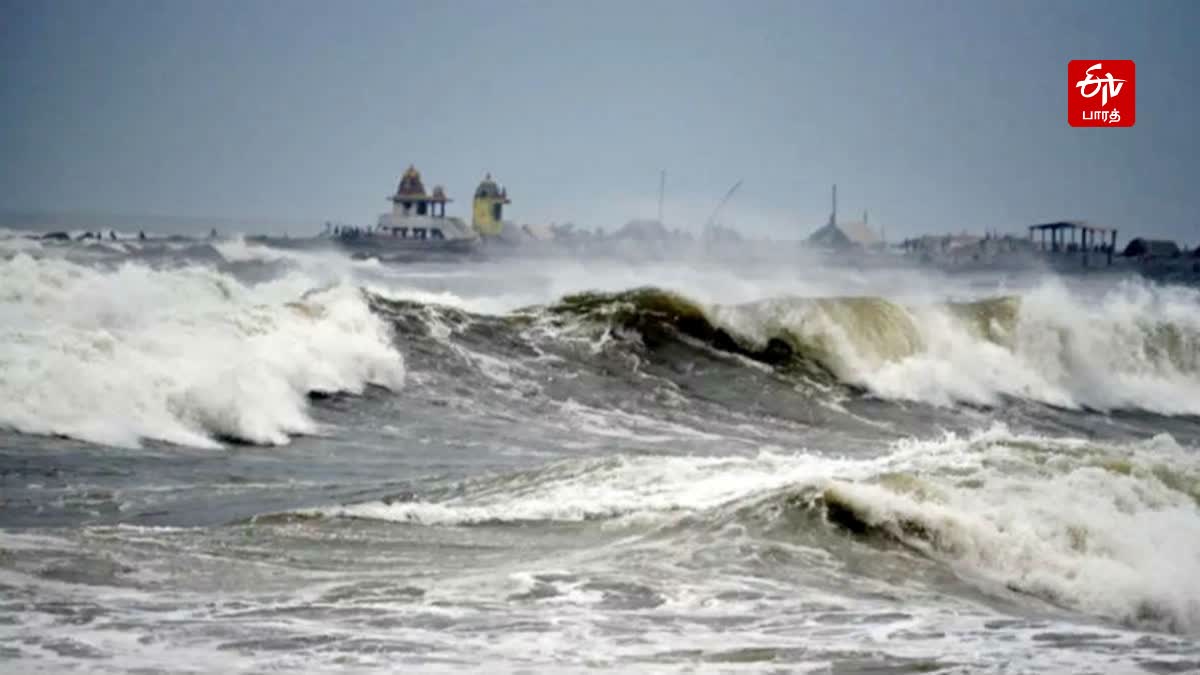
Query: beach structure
x,y
417,223
1082,236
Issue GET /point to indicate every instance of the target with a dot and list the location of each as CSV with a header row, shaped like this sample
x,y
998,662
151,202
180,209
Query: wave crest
x,y
185,355
1112,530
1137,346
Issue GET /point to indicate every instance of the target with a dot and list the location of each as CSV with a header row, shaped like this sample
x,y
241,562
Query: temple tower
x,y
410,198
488,214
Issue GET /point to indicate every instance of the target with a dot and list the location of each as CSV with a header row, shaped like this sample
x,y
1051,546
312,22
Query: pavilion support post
x,y
1112,246
1084,246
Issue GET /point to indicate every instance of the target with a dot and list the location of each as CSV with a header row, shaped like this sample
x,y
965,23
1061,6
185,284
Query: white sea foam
x,y
1110,530
1113,531
1134,346
605,488
183,355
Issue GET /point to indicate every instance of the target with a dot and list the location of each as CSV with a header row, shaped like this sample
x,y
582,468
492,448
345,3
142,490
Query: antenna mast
x,y
833,213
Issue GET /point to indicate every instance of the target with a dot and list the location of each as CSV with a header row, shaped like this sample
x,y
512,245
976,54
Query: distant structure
x,y
711,229
410,198
1151,248
1082,238
417,222
833,212
488,214
844,235
964,248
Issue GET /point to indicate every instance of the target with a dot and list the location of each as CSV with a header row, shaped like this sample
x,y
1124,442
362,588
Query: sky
x,y
935,116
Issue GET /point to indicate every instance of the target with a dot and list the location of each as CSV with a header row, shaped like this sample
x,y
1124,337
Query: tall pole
x,y
833,213
662,187
712,218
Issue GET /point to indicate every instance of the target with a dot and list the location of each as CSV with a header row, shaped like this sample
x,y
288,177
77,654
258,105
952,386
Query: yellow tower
x,y
488,217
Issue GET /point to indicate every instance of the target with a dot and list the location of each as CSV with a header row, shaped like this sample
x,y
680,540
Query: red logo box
x,y
1101,93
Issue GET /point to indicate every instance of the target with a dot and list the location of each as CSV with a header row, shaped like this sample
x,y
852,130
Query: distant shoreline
x,y
48,221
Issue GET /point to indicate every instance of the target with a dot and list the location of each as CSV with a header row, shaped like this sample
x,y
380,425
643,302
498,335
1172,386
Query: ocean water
x,y
220,457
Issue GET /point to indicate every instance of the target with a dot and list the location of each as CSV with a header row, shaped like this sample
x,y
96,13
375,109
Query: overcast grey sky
x,y
934,115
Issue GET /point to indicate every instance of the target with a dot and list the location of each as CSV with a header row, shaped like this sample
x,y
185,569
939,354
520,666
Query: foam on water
x,y
1109,530
1136,346
183,355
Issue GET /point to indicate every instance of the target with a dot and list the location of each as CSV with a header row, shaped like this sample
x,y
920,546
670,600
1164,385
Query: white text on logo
x,y
1106,86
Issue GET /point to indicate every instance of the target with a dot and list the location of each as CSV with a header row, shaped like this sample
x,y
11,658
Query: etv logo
x,y
1100,94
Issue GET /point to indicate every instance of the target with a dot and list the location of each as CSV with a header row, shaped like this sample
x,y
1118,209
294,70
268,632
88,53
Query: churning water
x,y
229,458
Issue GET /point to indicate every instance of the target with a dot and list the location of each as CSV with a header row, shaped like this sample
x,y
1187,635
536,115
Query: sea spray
x,y
1136,346
184,355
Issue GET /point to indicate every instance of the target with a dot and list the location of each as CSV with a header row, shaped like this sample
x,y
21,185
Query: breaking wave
x,y
187,355
1110,530
1135,347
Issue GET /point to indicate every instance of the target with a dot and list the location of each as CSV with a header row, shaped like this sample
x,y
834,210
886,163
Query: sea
x,y
227,457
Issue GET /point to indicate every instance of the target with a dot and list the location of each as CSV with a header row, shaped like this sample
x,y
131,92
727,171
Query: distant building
x,y
410,198
948,244
488,213
417,221
643,230
1151,248
844,235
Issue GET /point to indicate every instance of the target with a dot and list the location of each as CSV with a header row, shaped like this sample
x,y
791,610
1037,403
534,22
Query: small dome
x,y
439,192
488,189
410,183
